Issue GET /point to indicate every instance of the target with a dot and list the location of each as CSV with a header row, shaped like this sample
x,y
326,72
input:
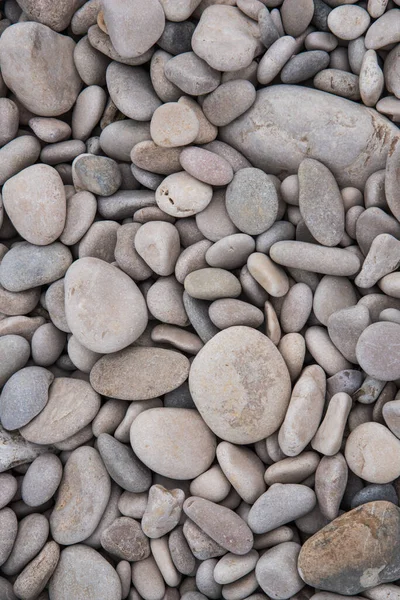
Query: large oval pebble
x,y
240,385
105,309
168,440
378,351
139,373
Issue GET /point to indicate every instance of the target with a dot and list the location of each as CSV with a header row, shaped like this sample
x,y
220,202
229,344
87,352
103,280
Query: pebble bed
x,y
199,299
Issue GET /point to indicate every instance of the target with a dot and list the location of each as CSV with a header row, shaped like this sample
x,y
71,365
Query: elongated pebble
x,y
312,257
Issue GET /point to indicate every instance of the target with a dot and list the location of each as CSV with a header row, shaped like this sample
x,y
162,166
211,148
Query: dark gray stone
x,y
177,37
122,465
375,491
304,66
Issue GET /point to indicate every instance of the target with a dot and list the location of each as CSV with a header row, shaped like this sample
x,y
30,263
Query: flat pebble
x,y
257,405
179,429
125,540
312,257
97,174
14,354
92,289
131,90
122,465
8,528
243,469
163,511
372,347
158,243
191,74
229,312
83,495
182,195
41,480
33,532
18,154
268,274
296,16
348,22
37,573
384,30
174,124
84,571
147,579
276,571
305,65
230,100
212,284
206,166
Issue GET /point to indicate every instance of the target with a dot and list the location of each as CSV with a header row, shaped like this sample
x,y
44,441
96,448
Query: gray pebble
x,y
14,354
125,539
131,90
37,573
41,480
97,174
122,465
176,37
201,545
162,512
33,531
192,74
304,66
374,492
8,488
18,154
276,571
229,101
8,529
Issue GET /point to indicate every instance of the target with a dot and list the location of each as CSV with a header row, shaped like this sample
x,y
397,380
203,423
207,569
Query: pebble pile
x,y
199,299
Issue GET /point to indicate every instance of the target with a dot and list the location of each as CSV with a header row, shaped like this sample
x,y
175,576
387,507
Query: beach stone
x,y
232,567
90,63
8,528
197,311
24,396
229,312
133,27
29,48
97,174
47,344
313,257
18,154
280,504
163,511
147,579
382,258
14,354
156,431
214,221
122,465
26,266
39,222
205,580
329,436
243,469
147,155
101,42
200,544
390,414
158,243
125,540
371,79
373,493
131,91
231,252
182,195
191,74
275,58
329,560
230,100
82,498
221,524
206,166
211,485
256,406
207,131
82,571
339,82
384,30
99,241
18,303
345,327
8,488
92,289
9,119
33,531
87,112
230,46
304,413
348,22
331,295
296,308
368,451
173,124
181,554
72,404
373,346
212,283
325,218
165,302
165,89
37,573
118,138
41,480
270,276
372,222
81,211
276,571
330,484
286,106
253,189
179,12
176,37
303,66
139,373
296,16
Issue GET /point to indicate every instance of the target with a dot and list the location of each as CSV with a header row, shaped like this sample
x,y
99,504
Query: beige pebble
x,y
181,195
272,329
292,470
157,242
178,338
228,312
390,413
324,351
191,259
243,469
372,452
377,350
207,131
268,274
212,284
292,346
211,485
312,257
173,124
80,213
330,484
371,79
206,166
331,295
329,437
304,412
296,308
338,82
348,22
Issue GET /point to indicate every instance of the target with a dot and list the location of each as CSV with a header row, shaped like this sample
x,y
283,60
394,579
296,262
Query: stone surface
x,y
248,408
125,540
37,65
163,511
122,465
131,90
330,560
375,344
276,571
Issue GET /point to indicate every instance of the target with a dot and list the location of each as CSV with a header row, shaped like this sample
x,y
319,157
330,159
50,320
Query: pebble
x,y
329,436
296,16
21,152
276,571
275,59
230,100
321,209
37,573
163,511
296,308
206,166
339,82
33,531
133,27
174,124
372,346
72,404
92,289
330,484
147,579
305,65
125,540
158,243
348,22
345,574
243,469
182,195
122,465
229,312
280,504
15,450
268,274
373,493
212,284
84,571
313,257
230,46
367,452
125,374
41,480
82,498
221,524
211,485
96,174
383,31
390,415
14,354
28,53
256,405
24,396
292,470
191,74
8,528
131,90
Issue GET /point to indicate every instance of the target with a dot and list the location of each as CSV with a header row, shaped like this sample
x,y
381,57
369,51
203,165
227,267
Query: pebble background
x,y
199,299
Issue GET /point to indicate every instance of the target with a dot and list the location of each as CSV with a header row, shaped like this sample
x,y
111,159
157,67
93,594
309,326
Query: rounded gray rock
x,y
41,480
122,465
